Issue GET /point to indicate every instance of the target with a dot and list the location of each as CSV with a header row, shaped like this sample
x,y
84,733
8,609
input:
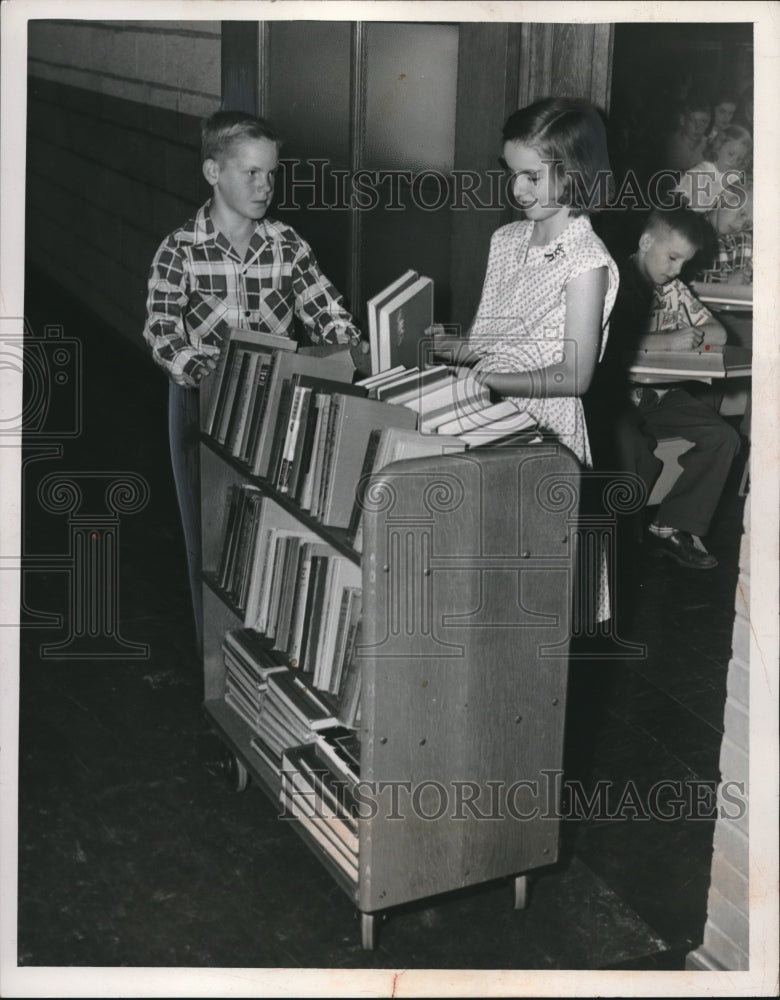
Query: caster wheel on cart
x,y
236,772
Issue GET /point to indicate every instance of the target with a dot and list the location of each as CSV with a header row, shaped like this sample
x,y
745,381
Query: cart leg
x,y
521,891
368,931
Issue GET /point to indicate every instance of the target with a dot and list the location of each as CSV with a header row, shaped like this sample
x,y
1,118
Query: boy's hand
x,y
687,339
197,372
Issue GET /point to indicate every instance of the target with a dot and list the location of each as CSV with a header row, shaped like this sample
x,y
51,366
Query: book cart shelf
x,y
466,571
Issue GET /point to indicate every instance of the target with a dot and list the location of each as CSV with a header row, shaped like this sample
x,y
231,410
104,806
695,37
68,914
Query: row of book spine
x,y
291,587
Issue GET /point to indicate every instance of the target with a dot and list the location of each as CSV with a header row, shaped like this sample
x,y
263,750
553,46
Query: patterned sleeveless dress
x,y
519,325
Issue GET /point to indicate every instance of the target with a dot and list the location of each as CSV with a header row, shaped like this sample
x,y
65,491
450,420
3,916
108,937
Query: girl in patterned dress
x,y
542,322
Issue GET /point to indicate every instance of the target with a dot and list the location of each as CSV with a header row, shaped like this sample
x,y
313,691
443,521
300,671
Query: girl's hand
x,y
455,351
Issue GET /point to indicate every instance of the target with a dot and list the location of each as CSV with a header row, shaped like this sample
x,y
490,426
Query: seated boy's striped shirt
x,y
199,288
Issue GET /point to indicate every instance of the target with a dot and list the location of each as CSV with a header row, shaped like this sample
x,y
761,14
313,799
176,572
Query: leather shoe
x,y
680,547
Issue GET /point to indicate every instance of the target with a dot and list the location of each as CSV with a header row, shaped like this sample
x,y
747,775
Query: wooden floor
x,y
135,851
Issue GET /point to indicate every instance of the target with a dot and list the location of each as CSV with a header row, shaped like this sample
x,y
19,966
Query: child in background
x,y
702,185
656,311
541,325
732,221
685,146
723,111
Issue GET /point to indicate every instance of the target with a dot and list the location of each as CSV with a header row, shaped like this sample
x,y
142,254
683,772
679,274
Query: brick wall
x,y
114,109
726,941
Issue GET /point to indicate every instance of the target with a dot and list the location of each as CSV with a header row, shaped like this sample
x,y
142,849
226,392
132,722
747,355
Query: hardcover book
x,y
497,430
417,384
285,365
355,419
372,307
471,420
215,388
331,791
304,596
273,521
255,405
339,747
464,395
402,324
301,699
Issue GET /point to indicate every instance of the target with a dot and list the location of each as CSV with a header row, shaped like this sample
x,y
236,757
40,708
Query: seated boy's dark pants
x,y
184,437
690,504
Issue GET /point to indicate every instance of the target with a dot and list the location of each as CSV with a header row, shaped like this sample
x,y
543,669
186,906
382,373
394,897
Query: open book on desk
x,y
680,366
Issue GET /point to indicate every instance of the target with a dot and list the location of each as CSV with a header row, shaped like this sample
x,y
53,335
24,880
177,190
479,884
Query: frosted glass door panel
x,y
309,87
411,80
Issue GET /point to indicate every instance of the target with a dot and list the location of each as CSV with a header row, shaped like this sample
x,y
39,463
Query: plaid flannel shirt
x,y
199,288
734,253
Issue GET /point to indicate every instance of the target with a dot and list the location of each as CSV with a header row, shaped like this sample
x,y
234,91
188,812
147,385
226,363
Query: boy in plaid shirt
x,y
229,267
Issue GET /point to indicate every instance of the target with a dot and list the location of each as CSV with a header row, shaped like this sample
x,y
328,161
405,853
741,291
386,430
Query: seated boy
x,y
229,266
732,221
656,311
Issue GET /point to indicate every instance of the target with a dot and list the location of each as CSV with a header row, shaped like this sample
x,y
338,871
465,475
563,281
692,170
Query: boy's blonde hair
x,y
224,128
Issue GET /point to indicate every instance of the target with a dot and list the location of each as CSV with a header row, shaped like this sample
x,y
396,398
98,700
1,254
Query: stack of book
x,y
448,401
489,424
454,413
320,796
292,713
248,663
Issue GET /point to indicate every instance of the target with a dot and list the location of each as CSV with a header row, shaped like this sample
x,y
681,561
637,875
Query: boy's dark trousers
x,y
690,504
184,438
